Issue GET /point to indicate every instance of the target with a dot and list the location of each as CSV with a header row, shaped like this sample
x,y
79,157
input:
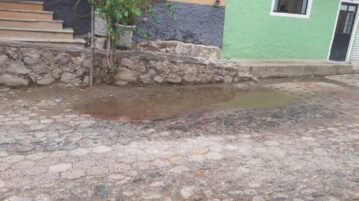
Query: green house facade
x,y
291,29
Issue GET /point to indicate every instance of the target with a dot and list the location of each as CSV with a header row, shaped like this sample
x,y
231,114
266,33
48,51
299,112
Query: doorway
x,y
343,31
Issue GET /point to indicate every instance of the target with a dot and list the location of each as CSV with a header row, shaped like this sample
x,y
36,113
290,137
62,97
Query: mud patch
x,y
181,101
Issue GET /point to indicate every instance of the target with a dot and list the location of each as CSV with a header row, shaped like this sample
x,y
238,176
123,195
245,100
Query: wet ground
x,y
276,140
164,103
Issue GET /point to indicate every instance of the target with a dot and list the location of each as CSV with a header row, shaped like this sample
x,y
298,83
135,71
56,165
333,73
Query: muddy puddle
x,y
170,102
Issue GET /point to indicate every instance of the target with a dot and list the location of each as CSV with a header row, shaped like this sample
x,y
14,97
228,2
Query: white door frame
x,y
354,31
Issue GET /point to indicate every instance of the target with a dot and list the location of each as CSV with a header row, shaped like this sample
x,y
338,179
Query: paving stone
x,y
17,198
97,171
151,196
13,159
214,156
121,167
231,154
61,167
161,163
101,149
46,121
43,197
2,184
179,169
187,191
37,156
73,174
258,198
79,152
37,170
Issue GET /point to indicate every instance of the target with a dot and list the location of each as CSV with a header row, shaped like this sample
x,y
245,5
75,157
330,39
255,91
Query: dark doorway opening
x,y
343,31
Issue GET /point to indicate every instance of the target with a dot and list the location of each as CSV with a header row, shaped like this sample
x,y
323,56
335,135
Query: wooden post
x,y
93,46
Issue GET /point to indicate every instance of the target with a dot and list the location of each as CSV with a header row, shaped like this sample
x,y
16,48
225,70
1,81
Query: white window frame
x,y
301,16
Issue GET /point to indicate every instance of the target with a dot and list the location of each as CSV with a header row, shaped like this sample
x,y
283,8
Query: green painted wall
x,y
251,33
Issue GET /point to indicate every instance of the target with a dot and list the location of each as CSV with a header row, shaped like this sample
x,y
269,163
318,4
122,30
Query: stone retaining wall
x,y
23,64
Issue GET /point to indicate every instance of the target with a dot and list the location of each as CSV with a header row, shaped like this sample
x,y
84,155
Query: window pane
x,y
352,8
291,6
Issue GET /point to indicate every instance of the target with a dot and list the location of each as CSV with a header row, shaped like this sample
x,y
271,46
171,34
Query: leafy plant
x,y
110,73
121,12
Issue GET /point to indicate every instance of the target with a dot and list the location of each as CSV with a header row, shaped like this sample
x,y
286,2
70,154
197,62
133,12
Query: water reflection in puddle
x,y
180,101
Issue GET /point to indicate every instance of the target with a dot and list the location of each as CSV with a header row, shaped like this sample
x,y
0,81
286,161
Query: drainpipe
x,y
92,44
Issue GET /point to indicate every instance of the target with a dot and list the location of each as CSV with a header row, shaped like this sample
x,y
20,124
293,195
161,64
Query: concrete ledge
x,y
277,71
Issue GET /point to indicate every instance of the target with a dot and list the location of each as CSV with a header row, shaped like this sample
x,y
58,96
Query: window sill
x,y
300,16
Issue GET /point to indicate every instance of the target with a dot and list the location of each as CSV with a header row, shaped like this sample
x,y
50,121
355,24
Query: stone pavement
x,y
304,151
350,79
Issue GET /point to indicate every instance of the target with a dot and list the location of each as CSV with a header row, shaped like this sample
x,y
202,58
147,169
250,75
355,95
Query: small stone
x,y
97,171
157,184
331,198
190,74
43,197
3,154
46,80
13,159
279,196
235,193
2,184
151,196
101,191
214,156
179,169
17,67
73,174
79,152
62,167
32,59
187,191
13,80
258,198
126,75
174,78
46,121
33,171
56,73
228,79
196,158
161,163
272,143
158,79
69,78
101,149
126,63
122,167
3,61
86,81
200,151
17,198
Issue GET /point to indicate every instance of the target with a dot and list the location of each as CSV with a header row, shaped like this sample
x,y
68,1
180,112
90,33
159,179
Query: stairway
x,y
26,21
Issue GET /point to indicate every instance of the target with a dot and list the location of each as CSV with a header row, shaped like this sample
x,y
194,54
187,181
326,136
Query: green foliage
x,y
110,73
122,12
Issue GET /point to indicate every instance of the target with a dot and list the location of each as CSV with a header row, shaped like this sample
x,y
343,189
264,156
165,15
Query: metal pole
x,y
92,45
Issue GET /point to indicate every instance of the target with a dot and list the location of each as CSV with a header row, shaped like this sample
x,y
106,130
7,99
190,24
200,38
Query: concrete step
x,y
294,68
25,14
69,43
22,5
12,33
31,24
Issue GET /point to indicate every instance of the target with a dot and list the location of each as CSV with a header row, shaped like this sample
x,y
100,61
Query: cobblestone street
x,y
307,149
